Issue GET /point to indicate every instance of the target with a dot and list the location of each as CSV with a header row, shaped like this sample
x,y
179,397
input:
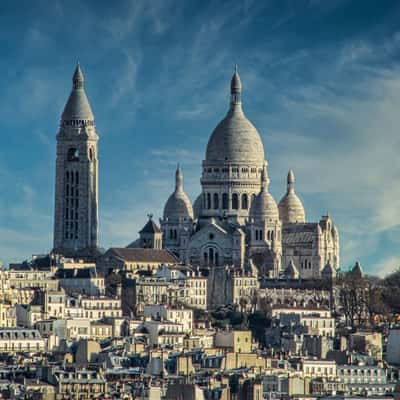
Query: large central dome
x,y
235,139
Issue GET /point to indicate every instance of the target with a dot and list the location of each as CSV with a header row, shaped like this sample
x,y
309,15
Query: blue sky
x,y
321,82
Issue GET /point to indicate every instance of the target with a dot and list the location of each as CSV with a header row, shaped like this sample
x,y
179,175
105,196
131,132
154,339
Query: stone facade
x,y
76,187
235,221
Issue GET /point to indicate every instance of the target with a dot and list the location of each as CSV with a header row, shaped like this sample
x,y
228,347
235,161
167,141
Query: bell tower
x,y
76,186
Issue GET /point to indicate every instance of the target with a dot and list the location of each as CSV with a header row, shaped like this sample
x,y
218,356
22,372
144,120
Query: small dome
x,y
178,205
357,270
77,107
235,139
264,206
291,209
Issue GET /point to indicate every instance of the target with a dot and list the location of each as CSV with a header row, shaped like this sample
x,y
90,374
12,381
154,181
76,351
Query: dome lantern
x,y
178,180
236,88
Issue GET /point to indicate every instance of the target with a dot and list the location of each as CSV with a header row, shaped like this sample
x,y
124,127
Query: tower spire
x,y
78,79
77,107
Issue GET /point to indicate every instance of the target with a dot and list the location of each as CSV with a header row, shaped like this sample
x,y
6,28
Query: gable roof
x,y
72,273
150,227
143,255
295,234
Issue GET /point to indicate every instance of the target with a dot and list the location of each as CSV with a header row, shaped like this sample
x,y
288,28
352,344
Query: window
x,y
216,201
245,201
235,201
225,204
208,201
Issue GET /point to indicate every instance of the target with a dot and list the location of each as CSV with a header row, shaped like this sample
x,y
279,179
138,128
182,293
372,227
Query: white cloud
x,y
386,266
125,83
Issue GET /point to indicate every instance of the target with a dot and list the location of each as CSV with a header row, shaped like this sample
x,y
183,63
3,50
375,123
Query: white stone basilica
x,y
235,221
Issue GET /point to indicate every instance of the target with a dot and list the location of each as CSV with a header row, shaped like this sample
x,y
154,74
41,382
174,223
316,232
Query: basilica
x,y
235,221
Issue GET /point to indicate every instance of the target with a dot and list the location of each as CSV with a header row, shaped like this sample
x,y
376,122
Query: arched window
x,y
208,201
211,255
261,235
256,234
91,154
245,201
216,201
235,201
253,196
73,154
225,204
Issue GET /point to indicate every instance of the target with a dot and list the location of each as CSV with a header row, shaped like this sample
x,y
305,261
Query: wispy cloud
x,y
158,80
386,266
